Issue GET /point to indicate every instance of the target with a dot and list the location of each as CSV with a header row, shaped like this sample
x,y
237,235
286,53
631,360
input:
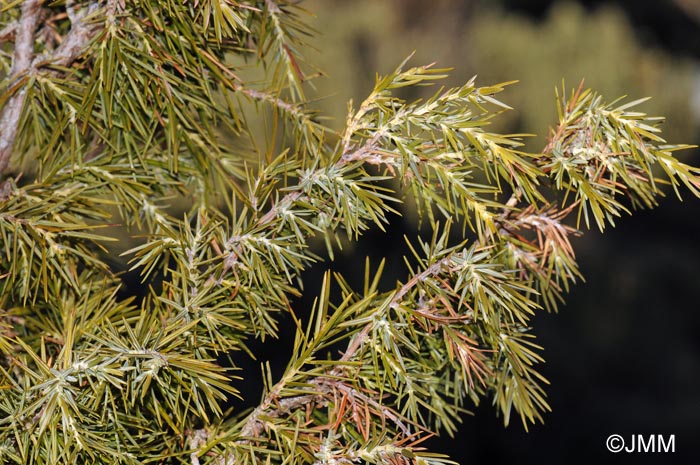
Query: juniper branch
x,y
22,59
124,109
83,28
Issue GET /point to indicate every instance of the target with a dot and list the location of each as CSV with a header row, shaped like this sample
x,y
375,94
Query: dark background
x,y
623,355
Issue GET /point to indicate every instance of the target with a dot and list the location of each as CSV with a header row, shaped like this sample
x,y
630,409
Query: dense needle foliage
x,y
136,116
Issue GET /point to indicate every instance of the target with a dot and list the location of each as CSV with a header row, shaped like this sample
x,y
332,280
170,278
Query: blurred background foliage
x,y
485,38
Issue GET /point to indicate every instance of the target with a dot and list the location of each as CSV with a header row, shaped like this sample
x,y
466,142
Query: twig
x,y
24,44
359,340
8,32
83,28
73,14
21,61
282,104
348,155
81,31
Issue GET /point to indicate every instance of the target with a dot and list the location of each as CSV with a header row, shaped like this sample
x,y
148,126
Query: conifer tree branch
x,y
368,152
83,28
123,106
273,407
552,246
22,60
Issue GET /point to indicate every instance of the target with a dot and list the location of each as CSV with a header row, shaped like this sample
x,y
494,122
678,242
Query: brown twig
x,y
73,44
81,32
359,340
280,103
21,62
8,32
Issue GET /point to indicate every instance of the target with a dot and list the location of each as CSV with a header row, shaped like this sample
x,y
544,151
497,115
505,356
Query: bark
x,y
25,61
